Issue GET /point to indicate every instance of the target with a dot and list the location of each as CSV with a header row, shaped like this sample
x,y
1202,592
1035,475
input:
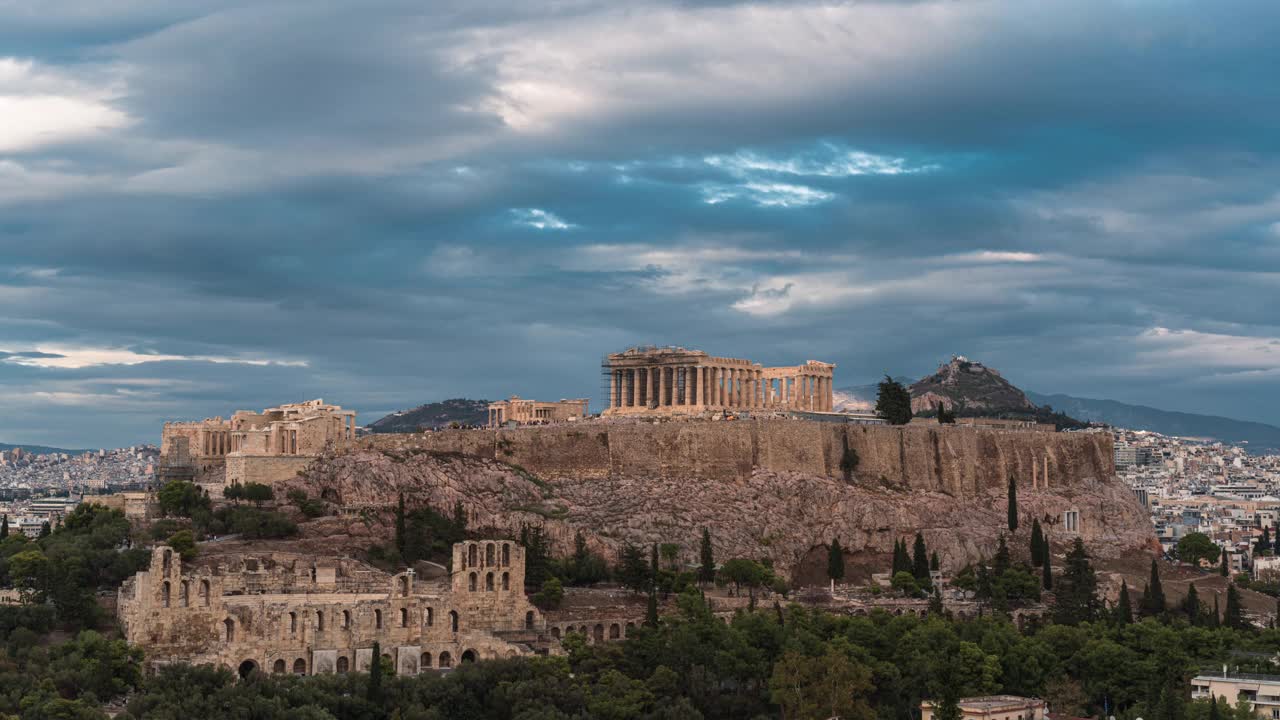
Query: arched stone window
x,y
615,631
346,618
204,593
468,656
488,582
506,581
453,621
488,554
404,617
184,597
471,582
471,555
377,619
293,622
506,554
446,660
343,664
528,620
319,621
425,660
597,633
278,667
247,668
164,594
300,667
229,630
168,561
430,617
555,632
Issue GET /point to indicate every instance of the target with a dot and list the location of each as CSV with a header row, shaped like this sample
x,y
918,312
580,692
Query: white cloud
x,y
42,106
1164,347
829,161
71,358
540,219
766,194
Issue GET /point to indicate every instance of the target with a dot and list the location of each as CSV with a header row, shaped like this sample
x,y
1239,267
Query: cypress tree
x,y
1154,601
651,610
1013,504
1124,613
4,528
1191,604
1222,567
893,402
1214,712
1216,619
375,675
1234,615
400,525
920,561
1077,594
1037,543
1263,546
835,561
1002,561
933,561
45,530
1046,577
901,562
707,571
935,603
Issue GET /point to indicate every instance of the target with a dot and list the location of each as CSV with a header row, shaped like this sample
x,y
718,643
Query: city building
x,y
1261,691
992,707
533,412
672,380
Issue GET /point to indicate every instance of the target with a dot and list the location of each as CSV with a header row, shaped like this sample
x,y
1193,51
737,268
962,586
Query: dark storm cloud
x,y
391,202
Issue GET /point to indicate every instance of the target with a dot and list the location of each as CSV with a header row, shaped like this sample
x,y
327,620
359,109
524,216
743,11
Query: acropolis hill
x,y
766,488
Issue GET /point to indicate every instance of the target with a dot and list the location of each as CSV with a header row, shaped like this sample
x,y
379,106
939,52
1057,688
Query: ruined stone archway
x,y
300,667
278,668
468,656
247,668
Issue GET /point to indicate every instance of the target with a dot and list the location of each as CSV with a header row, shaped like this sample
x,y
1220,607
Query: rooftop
x,y
1250,677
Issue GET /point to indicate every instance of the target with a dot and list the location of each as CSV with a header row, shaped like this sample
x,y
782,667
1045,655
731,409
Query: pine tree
x,y
901,562
375,675
1234,614
1077,593
400,525
1191,604
1172,706
1037,543
920,562
1154,601
835,561
1124,613
893,402
935,603
1013,504
707,571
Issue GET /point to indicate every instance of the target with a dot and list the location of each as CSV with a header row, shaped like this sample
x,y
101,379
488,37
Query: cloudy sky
x,y
212,205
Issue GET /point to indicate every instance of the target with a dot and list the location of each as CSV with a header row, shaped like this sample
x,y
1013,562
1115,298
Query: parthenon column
x,y
719,386
662,386
699,376
689,385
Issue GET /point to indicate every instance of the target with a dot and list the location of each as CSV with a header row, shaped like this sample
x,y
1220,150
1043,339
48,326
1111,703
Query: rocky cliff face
x,y
772,489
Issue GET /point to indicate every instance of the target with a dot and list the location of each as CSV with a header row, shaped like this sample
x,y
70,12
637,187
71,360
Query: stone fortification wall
x,y
953,460
767,488
264,469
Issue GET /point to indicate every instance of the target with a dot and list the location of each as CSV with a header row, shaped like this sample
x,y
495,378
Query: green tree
x,y
1124,611
835,561
1153,599
905,583
901,560
374,692
550,596
1191,604
183,542
893,402
920,562
934,565
1037,543
1077,588
707,568
818,687
1013,504
1263,546
1222,567
633,569
1046,577
743,573
182,498
4,527
1194,547
946,416
1234,615
401,530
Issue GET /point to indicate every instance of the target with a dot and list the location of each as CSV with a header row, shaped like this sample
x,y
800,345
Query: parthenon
x,y
671,380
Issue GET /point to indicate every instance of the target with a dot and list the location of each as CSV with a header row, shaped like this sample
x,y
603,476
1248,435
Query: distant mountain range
x,y
1261,438
41,450
434,415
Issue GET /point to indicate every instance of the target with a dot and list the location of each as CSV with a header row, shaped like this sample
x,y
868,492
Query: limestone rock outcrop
x,y
770,488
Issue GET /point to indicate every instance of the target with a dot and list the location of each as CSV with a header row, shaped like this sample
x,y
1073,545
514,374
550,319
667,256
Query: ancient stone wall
x,y
264,469
288,613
